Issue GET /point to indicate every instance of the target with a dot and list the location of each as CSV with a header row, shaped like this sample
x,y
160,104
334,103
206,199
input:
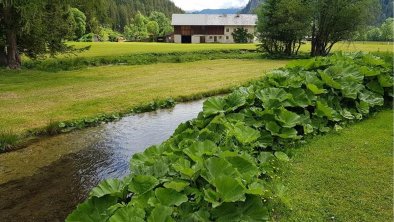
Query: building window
x,y
220,37
227,30
227,37
210,37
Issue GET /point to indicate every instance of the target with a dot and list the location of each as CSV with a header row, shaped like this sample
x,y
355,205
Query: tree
x,y
241,35
163,21
153,29
336,20
137,30
282,25
33,28
387,30
374,34
78,23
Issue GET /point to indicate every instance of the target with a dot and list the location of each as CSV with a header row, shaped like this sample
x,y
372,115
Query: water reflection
x,y
102,152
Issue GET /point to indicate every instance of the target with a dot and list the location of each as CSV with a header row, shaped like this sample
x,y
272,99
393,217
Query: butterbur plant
x,y
225,165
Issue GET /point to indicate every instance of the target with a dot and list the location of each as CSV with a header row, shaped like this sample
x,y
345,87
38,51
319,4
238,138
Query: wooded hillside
x,y
118,13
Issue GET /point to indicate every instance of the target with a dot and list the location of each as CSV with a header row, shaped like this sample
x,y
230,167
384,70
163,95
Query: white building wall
x,y
196,39
177,39
226,38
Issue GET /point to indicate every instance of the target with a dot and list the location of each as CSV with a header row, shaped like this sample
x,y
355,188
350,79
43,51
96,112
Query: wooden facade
x,y
198,30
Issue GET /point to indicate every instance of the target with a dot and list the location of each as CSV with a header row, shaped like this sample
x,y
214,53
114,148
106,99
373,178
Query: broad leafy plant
x,y
225,164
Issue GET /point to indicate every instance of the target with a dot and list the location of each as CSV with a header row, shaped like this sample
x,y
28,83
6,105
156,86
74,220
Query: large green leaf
x,y
170,197
252,210
184,168
93,210
300,98
245,134
282,156
112,187
177,185
198,149
215,167
329,80
316,90
375,86
161,214
235,100
229,189
213,106
368,71
128,214
272,97
245,165
288,133
351,89
288,119
323,110
212,197
371,98
141,184
386,80
273,127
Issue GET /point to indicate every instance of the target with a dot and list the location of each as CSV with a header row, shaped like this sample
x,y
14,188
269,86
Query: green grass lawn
x,y
99,49
346,176
125,48
31,99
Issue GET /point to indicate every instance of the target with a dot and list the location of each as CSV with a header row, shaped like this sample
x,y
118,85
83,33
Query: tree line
x,y
38,28
283,25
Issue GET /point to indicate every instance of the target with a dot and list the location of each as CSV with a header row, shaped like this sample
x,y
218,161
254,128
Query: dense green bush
x,y
225,164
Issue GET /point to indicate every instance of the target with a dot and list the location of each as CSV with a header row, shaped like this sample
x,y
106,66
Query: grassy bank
x,y
106,53
32,99
101,49
73,63
345,176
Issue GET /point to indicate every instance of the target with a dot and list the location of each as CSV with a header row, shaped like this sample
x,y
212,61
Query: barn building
x,y
207,28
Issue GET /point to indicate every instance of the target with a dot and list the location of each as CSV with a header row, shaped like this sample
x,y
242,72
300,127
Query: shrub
x,y
225,164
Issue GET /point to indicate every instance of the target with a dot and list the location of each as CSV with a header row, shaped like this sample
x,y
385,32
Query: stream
x,y
46,181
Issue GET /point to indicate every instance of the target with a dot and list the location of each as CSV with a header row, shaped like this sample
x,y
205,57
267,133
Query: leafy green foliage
x,y
282,25
241,35
78,21
225,165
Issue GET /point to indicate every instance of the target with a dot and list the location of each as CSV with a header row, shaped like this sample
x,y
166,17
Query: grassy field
x,y
346,176
125,48
31,99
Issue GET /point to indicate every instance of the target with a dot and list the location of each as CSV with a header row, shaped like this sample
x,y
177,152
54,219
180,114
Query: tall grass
x,y
8,140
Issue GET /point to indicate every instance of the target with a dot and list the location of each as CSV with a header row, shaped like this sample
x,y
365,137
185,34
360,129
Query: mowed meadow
x,y
68,95
31,99
100,49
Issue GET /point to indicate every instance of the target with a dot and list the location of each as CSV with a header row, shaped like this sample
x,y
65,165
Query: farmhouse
x,y
205,28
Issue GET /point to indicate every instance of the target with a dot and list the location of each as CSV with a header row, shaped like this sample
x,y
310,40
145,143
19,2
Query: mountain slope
x,y
251,6
218,11
387,10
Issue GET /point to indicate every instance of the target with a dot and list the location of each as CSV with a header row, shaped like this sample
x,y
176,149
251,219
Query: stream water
x,y
45,181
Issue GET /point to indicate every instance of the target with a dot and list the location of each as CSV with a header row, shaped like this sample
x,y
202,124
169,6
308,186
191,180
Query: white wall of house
x,y
226,38
177,38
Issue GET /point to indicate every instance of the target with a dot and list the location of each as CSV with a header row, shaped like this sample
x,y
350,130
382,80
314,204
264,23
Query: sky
x,y
192,5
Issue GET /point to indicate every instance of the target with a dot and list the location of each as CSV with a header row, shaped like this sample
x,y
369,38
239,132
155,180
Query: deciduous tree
x,y
282,25
337,20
